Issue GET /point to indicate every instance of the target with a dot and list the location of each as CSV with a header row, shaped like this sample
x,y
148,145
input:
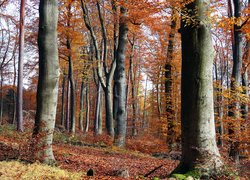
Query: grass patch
x,y
18,170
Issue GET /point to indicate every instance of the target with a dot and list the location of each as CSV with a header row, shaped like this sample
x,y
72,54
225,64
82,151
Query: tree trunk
x,y
62,101
87,109
67,106
72,91
97,123
199,149
47,89
234,108
109,111
145,121
19,111
120,80
81,105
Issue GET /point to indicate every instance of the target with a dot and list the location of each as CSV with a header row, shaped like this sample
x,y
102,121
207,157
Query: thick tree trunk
x,y
19,111
199,149
83,87
120,80
109,111
47,89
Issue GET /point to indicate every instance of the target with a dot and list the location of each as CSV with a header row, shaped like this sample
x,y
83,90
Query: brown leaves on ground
x,y
107,162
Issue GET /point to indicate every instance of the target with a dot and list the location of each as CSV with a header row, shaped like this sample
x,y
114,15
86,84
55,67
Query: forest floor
x,y
77,156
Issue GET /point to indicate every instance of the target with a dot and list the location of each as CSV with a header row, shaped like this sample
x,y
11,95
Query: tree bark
x,y
19,111
72,91
199,149
234,108
47,89
97,123
83,87
87,109
120,80
62,101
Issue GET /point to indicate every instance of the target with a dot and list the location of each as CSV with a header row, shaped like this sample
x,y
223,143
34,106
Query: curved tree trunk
x,y
47,89
199,149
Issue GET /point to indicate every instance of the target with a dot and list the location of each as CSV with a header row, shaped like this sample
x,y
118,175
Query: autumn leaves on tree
x,y
132,68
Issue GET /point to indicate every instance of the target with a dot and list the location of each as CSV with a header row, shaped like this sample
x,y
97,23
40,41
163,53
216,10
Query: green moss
x,y
179,176
194,173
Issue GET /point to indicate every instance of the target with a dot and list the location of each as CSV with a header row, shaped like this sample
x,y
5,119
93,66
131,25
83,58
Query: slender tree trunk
x,y
1,100
133,91
62,101
234,108
145,122
97,110
120,80
67,120
14,93
83,87
87,109
199,149
171,138
19,111
72,91
47,90
100,114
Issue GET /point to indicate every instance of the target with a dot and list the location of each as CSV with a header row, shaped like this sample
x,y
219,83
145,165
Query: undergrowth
x,y
18,170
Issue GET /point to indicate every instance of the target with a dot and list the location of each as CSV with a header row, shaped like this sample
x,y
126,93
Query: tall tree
x,y
47,89
19,111
120,80
199,149
169,82
109,72
234,109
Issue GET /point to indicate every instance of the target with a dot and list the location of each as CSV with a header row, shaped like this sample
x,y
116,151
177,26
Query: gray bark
x,y
199,149
87,109
62,102
83,87
19,111
98,119
120,80
47,90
